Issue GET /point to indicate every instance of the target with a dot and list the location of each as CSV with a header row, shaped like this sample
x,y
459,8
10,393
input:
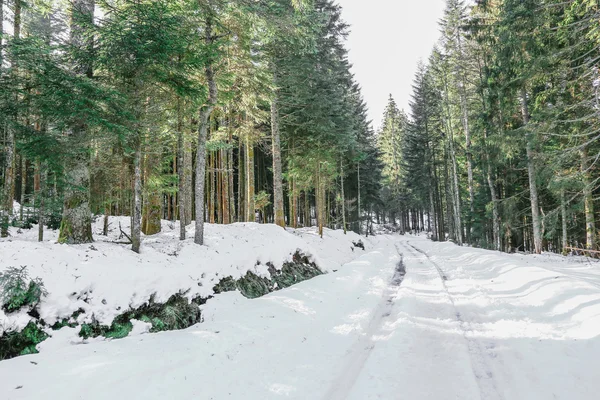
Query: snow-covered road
x,y
410,319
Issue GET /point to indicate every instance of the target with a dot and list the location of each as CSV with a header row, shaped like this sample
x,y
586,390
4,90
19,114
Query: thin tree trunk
x,y
456,202
250,208
358,203
590,223
465,123
277,169
495,213
10,155
151,219
181,198
39,196
136,216
204,115
343,196
23,186
563,212
230,186
535,208
294,205
241,182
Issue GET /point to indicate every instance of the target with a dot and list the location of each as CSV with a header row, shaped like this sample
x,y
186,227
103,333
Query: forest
x,y
499,149
211,110
247,111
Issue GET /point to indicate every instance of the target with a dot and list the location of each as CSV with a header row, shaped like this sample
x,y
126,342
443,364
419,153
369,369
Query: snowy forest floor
x,y
406,319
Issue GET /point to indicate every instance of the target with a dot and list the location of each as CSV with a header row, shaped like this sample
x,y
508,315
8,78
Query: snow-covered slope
x,y
104,278
462,324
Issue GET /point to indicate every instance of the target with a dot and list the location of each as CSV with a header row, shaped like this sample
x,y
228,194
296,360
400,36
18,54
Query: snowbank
x,y
104,279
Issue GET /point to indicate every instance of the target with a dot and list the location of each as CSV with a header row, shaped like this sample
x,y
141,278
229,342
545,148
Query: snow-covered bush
x,y
18,291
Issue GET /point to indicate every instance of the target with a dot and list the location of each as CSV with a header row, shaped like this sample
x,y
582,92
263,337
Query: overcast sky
x,y
388,37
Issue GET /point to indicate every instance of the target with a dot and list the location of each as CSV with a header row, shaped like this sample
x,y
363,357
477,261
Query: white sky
x,y
387,39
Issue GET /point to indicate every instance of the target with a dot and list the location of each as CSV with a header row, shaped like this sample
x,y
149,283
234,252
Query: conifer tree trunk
x,y
456,188
76,225
136,216
563,212
307,216
38,189
204,115
465,123
277,169
495,213
535,208
188,172
181,198
151,218
231,190
225,186
343,196
456,202
211,188
23,185
10,171
250,208
590,223
358,200
241,182
294,205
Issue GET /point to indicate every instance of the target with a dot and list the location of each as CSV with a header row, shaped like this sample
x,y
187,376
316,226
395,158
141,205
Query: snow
x,y
105,279
462,323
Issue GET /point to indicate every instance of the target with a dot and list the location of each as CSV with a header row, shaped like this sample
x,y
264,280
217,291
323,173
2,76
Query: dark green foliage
x,y
18,291
70,322
176,313
13,344
227,284
117,330
253,286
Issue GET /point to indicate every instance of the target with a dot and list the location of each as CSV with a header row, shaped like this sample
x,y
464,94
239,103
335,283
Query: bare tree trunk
x,y
277,173
241,182
535,208
225,186
465,123
590,223
456,202
10,171
456,188
250,208
294,206
358,203
39,194
76,225
136,216
204,116
343,196
152,207
230,186
563,212
181,198
188,173
23,198
495,213
319,201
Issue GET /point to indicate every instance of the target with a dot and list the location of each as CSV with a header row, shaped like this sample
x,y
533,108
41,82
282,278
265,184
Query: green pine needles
x,y
17,290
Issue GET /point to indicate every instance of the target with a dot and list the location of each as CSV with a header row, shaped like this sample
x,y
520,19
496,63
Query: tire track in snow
x,y
359,353
482,370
